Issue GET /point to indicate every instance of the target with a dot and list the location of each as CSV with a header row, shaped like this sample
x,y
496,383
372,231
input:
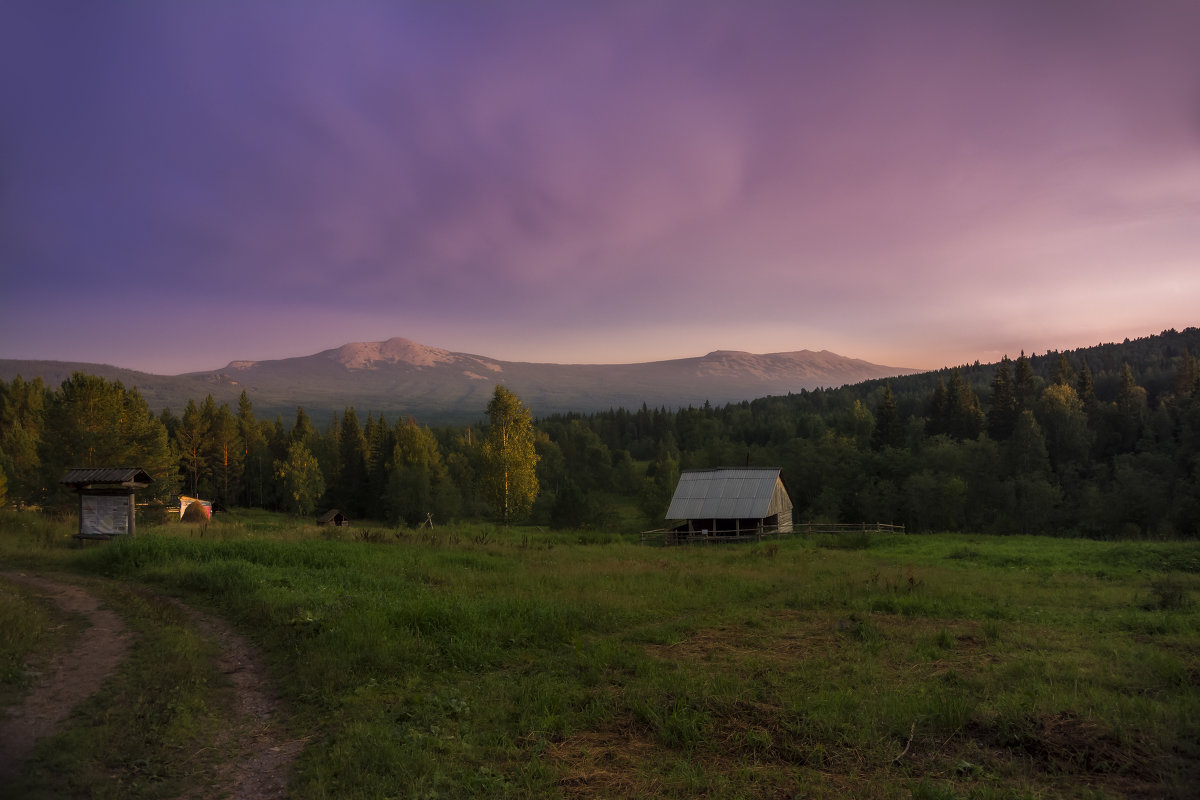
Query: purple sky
x,y
914,183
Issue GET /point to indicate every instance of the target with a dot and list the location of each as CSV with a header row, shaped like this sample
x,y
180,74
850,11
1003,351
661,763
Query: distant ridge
x,y
402,377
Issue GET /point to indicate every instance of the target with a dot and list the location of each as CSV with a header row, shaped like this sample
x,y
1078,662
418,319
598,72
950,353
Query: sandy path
x,y
262,755
71,676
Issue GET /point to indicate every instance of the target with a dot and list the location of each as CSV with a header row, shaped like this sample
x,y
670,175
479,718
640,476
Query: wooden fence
x,y
868,527
664,536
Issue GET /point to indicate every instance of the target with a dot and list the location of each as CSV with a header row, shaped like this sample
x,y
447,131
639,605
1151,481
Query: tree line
x,y
1101,441
399,472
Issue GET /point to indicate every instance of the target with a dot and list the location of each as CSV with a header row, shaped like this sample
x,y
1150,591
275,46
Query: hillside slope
x,y
399,376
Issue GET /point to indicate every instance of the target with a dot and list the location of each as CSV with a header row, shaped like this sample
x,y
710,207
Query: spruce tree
x,y
380,441
191,436
1034,495
964,417
256,458
1187,377
1085,387
939,409
1130,410
303,430
1002,414
352,493
1024,383
1064,374
226,458
91,422
888,432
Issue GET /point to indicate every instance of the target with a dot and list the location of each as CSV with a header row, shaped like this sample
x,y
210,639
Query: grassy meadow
x,y
484,662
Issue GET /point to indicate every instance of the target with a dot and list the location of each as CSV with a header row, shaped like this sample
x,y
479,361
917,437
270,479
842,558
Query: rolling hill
x,y
399,376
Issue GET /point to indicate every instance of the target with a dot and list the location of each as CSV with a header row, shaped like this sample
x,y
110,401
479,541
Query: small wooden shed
x,y
106,507
731,502
333,517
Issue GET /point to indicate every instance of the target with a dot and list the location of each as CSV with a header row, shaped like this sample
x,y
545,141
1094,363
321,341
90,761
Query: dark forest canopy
x,y
1100,441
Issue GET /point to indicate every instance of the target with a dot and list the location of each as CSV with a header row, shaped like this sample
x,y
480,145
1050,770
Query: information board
x,y
103,514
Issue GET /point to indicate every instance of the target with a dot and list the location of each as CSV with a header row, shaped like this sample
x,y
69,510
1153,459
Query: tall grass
x,y
484,662
29,631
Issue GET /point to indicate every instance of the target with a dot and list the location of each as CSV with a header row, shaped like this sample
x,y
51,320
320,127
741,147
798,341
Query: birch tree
x,y
509,480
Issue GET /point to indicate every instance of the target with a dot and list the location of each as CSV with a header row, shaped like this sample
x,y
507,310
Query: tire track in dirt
x,y
263,756
71,676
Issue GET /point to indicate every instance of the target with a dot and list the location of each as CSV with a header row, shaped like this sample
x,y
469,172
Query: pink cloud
x,y
917,181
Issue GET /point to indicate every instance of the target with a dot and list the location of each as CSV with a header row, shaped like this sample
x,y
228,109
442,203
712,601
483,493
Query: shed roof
x,y
729,493
87,476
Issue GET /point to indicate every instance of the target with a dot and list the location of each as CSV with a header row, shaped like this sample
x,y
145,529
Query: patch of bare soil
x,y
622,761
263,752
607,763
69,678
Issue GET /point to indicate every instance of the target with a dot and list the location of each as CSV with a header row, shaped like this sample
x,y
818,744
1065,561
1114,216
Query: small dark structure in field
x,y
106,499
333,517
731,502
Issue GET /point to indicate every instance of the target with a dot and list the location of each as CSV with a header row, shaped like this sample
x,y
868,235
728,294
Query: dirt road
x,y
71,676
263,755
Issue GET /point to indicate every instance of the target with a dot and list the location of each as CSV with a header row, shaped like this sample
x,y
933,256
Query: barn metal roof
x,y
726,493
125,476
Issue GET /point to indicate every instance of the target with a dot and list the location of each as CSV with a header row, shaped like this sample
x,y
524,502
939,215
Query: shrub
x,y
1168,593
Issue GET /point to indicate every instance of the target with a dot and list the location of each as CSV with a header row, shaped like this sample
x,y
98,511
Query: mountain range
x,y
402,377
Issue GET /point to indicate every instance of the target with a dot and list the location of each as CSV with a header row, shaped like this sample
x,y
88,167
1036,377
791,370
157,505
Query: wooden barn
x,y
731,502
333,517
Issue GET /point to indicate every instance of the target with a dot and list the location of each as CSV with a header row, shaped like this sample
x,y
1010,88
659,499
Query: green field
x,y
483,662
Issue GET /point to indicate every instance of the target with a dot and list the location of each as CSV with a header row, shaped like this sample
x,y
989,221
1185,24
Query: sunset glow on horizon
x,y
916,184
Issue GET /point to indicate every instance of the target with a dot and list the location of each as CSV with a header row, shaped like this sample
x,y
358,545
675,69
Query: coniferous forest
x,y
1098,442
